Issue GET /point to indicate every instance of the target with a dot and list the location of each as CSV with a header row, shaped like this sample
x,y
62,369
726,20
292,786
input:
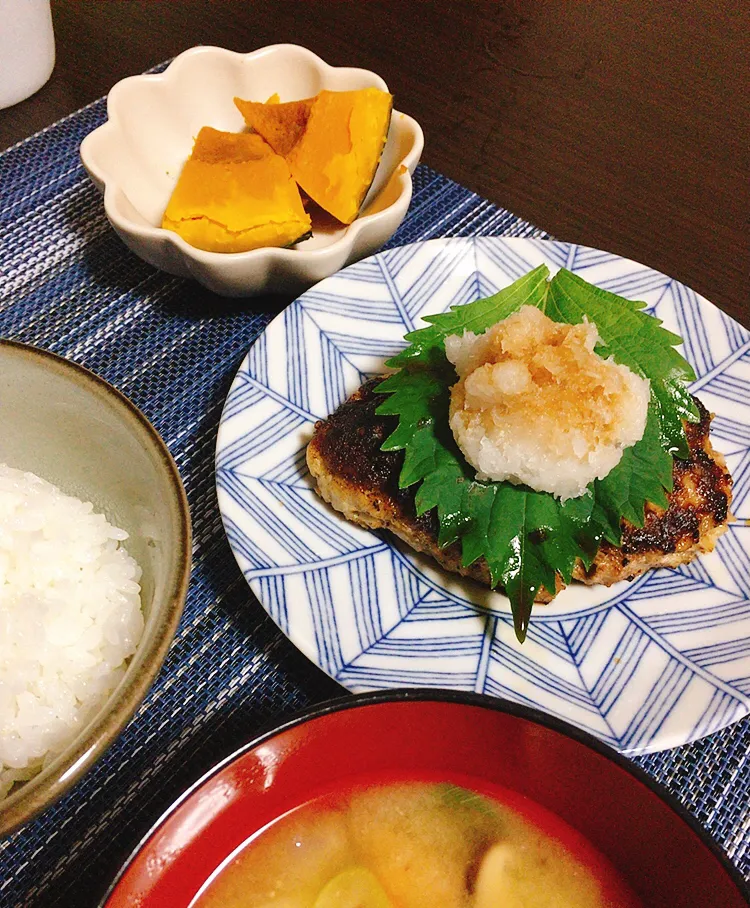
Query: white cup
x,y
27,48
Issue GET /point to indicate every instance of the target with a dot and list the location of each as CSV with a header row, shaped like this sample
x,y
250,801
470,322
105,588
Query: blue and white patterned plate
x,y
644,665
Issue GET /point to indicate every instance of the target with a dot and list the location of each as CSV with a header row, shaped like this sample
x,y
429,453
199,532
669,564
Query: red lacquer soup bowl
x,y
658,849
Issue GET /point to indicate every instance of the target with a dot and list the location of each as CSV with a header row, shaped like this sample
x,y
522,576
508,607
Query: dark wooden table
x,y
620,125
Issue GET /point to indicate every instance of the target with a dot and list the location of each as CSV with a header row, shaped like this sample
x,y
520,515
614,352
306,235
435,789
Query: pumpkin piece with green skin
x,y
335,155
235,194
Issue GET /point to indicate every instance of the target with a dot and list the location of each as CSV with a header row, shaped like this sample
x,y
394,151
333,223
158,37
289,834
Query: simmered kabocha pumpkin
x,y
281,125
234,194
332,148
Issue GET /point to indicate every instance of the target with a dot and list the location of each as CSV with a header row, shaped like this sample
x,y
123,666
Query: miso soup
x,y
416,844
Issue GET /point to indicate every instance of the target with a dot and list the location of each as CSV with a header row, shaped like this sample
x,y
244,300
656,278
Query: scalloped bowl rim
x,y
346,241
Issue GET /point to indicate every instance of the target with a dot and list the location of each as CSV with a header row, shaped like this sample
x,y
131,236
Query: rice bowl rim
x,y
41,791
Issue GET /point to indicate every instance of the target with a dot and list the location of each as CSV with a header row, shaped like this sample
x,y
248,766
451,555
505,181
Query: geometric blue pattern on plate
x,y
644,665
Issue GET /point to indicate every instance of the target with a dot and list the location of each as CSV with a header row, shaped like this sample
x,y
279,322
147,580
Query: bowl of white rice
x,y
94,569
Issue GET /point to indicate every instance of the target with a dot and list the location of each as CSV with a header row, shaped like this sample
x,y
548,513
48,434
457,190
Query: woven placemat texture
x,y
68,284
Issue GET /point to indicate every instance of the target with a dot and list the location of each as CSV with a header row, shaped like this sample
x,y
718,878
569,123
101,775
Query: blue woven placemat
x,y
68,284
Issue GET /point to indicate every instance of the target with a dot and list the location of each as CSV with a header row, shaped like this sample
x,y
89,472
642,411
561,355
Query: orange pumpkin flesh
x,y
236,194
332,143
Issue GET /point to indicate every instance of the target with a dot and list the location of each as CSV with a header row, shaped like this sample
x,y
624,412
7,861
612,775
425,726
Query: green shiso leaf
x,y
528,538
632,337
636,340
427,345
643,474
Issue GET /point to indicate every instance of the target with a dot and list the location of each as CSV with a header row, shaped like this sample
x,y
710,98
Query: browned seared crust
x,y
361,481
697,515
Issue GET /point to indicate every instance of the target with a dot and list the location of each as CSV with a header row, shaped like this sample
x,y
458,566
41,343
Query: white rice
x,y
70,616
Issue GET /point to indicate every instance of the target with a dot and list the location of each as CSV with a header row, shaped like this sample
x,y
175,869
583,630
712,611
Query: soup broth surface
x,y
416,844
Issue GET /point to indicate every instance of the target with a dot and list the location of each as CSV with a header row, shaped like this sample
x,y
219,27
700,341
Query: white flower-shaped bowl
x,y
136,157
